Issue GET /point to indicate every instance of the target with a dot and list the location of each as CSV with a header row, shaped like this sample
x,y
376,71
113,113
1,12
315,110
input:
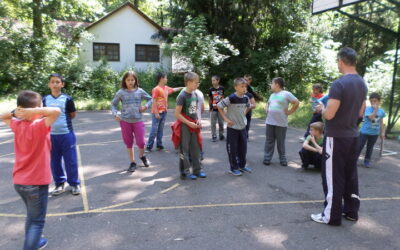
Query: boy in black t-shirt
x,y
215,95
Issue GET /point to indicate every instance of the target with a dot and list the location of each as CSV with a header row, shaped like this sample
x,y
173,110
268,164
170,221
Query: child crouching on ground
x,y
311,153
237,104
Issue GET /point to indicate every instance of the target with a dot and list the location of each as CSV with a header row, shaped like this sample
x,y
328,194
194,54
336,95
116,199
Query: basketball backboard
x,y
320,6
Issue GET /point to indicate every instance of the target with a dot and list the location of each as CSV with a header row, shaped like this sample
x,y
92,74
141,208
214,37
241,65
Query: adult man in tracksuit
x,y
345,105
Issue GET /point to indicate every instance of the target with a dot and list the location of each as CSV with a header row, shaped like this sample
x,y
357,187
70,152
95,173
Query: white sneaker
x,y
59,189
318,218
76,190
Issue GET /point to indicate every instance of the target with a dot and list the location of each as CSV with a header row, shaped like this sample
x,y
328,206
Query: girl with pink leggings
x,y
130,117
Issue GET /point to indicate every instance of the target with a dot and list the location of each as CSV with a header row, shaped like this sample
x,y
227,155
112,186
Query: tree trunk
x,y
37,43
37,19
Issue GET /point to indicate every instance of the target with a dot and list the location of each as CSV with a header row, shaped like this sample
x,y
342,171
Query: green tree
x,y
202,49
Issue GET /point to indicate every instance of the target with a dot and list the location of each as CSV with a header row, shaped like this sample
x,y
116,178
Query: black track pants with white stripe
x,y
340,179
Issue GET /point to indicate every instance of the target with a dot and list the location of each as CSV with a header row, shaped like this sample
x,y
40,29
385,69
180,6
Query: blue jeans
x,y
157,128
35,199
370,140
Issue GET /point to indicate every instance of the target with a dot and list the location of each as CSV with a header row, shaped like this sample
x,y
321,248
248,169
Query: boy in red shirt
x,y
31,173
159,110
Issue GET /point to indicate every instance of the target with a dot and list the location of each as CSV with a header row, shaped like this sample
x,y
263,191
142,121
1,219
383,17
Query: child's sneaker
x,y
132,167
59,189
201,174
367,164
76,190
145,162
304,166
188,177
246,169
318,218
214,139
221,137
350,218
235,172
42,243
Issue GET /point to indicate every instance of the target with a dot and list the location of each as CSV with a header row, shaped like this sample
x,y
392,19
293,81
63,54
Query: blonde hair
x,y
190,76
318,126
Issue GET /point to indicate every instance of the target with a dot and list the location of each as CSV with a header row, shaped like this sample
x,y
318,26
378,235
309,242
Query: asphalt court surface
x,y
153,209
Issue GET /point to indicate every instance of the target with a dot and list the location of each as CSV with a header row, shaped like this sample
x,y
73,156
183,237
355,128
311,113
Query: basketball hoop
x,y
320,6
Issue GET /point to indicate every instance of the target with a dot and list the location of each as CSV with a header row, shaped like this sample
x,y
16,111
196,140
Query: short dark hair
x,y
248,76
239,80
280,81
375,95
318,86
56,75
132,73
29,99
216,77
159,76
348,56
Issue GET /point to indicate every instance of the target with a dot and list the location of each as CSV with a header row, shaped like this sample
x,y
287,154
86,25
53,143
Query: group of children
x,y
371,128
44,135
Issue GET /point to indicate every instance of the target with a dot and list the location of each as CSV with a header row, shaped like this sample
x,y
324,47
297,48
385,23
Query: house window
x,y
147,53
108,51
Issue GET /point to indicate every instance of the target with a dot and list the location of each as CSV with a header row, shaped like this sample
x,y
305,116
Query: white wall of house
x,y
127,28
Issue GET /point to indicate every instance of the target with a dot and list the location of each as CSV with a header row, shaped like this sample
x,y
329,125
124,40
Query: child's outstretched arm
x,y
177,89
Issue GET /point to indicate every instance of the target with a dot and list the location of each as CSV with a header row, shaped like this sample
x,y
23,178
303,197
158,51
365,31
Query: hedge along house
x,y
123,37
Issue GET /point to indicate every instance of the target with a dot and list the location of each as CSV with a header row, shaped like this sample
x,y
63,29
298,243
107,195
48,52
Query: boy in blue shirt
x,y
372,127
63,139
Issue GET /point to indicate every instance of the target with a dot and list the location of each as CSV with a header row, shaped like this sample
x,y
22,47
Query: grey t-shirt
x,y
236,109
189,102
277,104
351,91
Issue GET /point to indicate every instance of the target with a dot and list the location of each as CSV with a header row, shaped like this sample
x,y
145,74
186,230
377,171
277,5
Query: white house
x,y
123,37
